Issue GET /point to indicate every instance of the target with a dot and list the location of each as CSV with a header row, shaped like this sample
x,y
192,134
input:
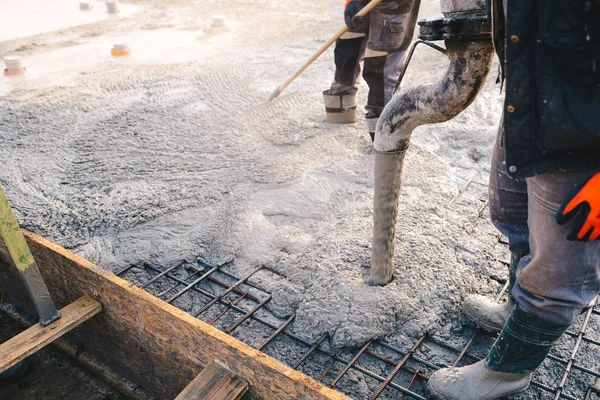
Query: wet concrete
x,y
23,18
169,155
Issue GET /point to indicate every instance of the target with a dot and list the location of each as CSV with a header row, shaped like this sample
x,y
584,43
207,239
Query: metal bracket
x,y
463,27
409,55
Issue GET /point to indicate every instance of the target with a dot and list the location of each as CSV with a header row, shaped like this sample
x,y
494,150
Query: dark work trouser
x,y
382,46
556,278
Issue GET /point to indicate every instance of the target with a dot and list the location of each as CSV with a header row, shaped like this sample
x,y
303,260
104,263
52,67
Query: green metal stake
x,y
10,232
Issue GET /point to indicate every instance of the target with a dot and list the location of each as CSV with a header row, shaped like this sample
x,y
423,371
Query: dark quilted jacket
x,y
550,52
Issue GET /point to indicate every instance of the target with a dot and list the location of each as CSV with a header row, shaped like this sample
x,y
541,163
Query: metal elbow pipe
x,y
470,64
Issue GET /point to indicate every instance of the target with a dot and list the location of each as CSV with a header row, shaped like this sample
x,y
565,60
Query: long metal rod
x,y
191,285
331,364
248,315
157,277
561,385
310,351
215,319
231,289
397,369
277,332
350,364
11,234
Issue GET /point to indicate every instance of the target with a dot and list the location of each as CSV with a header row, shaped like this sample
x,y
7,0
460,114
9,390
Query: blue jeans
x,y
556,279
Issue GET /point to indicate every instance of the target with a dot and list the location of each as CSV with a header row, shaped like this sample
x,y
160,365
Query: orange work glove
x,y
583,206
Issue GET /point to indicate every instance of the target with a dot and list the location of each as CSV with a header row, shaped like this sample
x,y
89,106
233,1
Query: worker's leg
x,y
508,211
348,53
392,25
340,99
554,284
509,205
560,278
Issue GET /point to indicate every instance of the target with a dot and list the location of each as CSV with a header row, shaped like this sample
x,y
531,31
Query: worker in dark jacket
x,y
544,191
381,39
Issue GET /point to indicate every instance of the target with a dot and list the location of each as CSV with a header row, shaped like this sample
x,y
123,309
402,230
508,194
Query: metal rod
x,y
409,56
121,272
414,378
390,362
561,385
157,277
230,275
219,297
397,369
331,364
188,287
277,332
215,319
464,188
310,351
350,364
250,313
211,278
161,294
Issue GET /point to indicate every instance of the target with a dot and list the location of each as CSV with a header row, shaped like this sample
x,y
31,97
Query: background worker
x,y
544,191
381,39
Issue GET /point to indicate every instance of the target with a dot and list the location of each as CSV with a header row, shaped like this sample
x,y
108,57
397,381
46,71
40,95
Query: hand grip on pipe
x,y
582,206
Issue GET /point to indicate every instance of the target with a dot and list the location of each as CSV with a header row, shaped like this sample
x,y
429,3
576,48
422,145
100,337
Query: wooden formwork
x,y
146,340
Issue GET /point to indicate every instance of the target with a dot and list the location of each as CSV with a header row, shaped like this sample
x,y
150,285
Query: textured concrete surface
x,y
173,153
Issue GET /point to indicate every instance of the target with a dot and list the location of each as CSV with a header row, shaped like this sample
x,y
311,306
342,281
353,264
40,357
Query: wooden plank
x,y
148,341
11,234
28,342
215,382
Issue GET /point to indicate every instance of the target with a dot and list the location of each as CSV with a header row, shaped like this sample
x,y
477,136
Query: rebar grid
x,y
218,297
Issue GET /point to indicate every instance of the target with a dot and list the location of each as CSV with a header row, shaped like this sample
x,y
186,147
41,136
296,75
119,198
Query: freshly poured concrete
x,y
23,18
173,153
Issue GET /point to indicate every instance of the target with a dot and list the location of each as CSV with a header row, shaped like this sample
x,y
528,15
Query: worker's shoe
x,y
522,346
340,108
487,313
475,382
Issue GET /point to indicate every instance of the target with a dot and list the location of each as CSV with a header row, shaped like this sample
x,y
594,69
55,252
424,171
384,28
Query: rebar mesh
x,y
239,307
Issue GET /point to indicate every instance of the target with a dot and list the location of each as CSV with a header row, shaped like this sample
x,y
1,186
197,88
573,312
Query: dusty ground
x,y
172,153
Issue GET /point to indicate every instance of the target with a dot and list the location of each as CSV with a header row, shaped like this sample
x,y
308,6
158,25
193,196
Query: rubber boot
x,y
522,346
487,313
340,108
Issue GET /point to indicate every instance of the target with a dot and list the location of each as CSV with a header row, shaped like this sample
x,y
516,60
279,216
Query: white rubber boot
x,y
486,313
340,108
475,382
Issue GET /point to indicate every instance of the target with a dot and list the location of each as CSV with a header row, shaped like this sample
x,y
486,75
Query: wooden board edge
x,y
89,364
37,336
267,361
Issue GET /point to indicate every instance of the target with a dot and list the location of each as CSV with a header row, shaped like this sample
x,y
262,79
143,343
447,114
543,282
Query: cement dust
x,y
156,163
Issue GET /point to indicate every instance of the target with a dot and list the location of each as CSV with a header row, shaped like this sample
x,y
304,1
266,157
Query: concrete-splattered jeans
x,y
556,278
